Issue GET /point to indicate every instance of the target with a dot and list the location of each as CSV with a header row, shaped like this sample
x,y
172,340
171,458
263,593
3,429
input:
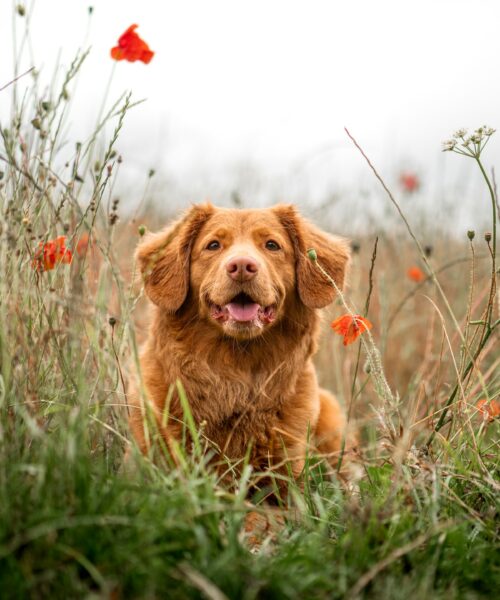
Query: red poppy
x,y
131,47
50,253
490,410
409,182
350,326
415,274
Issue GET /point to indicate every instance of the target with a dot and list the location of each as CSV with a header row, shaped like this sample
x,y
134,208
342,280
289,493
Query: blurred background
x,y
246,103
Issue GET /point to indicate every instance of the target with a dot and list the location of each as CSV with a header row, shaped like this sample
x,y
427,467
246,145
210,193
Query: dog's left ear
x,y
164,258
333,253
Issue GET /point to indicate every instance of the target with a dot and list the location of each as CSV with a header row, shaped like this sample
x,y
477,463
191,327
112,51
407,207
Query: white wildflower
x,y
449,145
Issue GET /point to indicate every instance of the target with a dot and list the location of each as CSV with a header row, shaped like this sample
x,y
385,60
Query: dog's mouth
x,y
243,309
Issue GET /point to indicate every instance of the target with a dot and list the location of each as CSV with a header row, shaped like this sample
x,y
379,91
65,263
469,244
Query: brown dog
x,y
236,321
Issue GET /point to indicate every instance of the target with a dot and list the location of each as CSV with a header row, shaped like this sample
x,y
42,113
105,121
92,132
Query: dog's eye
x,y
213,245
272,245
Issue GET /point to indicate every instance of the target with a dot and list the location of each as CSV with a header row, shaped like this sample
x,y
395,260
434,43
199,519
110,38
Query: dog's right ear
x,y
164,258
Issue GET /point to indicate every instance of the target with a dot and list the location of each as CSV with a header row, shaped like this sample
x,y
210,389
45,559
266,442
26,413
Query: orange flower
x,y
50,253
131,47
350,326
490,410
409,182
415,274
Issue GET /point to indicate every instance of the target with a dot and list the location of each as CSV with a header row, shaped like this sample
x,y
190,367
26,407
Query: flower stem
x,y
494,241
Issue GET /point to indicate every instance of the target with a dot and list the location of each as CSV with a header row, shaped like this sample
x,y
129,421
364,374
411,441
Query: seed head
x,y
487,236
21,11
449,145
311,253
112,321
428,250
471,234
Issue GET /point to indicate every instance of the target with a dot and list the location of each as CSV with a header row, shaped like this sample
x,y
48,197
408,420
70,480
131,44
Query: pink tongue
x,y
243,312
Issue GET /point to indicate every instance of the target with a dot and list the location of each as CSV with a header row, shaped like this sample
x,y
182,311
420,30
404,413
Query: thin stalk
x,y
412,235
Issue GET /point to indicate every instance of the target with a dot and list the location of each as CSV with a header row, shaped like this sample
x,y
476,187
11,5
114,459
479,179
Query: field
x,y
418,517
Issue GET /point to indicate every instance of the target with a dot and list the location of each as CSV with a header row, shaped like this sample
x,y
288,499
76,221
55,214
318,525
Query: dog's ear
x,y
164,258
314,289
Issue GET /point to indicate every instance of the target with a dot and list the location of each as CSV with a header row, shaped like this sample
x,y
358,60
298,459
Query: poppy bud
x,y
355,247
112,321
428,251
471,234
487,237
46,105
21,11
151,173
142,230
36,123
311,253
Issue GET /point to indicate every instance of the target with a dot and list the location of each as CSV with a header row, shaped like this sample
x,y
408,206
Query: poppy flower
x,y
409,182
131,47
351,327
51,253
415,274
490,410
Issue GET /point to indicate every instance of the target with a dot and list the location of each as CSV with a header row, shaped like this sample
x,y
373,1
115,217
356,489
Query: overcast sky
x,y
237,86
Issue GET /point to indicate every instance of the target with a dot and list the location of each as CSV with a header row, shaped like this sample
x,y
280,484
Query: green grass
x,y
419,519
72,523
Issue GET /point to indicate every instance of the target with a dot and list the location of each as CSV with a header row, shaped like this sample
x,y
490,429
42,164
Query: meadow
x,y
418,517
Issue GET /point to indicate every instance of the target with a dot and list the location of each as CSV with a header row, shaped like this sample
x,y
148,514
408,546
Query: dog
x,y
236,320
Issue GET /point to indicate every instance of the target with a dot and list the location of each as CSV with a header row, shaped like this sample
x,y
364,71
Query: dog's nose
x,y
242,268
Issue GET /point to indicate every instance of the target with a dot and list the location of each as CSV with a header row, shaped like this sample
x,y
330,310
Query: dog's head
x,y
241,268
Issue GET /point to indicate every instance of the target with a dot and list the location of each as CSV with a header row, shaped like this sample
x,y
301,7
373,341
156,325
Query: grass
x,y
420,517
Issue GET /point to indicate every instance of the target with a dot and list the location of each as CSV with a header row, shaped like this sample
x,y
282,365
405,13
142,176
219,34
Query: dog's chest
x,y
237,412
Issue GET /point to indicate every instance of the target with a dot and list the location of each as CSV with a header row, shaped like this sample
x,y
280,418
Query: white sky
x,y
268,85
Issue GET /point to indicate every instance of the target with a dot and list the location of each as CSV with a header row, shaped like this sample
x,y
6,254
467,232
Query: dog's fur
x,y
252,384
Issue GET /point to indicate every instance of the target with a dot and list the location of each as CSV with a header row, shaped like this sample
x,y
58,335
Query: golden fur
x,y
250,384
